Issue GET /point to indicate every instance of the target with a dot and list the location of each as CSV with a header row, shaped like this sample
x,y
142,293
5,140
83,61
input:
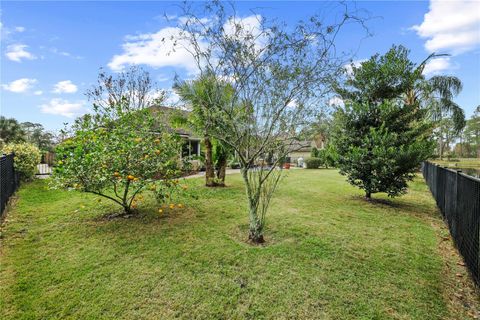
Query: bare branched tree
x,y
278,74
132,88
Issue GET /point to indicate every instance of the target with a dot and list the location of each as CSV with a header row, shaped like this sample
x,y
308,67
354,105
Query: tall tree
x,y
276,74
36,134
380,146
393,75
11,130
445,134
471,133
206,95
380,135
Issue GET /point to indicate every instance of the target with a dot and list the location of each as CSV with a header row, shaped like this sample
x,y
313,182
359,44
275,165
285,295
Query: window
x,y
190,148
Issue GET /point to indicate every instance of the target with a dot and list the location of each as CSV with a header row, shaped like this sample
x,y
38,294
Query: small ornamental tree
x,y
277,75
119,158
380,146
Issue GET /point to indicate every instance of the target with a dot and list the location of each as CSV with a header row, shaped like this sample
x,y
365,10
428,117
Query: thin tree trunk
x,y
222,170
368,195
441,149
255,233
209,170
127,209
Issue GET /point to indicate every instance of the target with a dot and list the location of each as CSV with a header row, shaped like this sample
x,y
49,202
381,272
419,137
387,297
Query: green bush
x,y
27,156
313,163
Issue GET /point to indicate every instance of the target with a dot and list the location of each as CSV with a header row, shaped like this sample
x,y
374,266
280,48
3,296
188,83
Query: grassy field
x,y
461,163
329,255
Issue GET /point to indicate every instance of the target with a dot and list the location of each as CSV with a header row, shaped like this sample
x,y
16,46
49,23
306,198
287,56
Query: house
x,y
303,149
192,142
192,146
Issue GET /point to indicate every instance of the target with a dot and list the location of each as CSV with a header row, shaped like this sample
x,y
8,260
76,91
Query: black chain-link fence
x,y
458,197
9,180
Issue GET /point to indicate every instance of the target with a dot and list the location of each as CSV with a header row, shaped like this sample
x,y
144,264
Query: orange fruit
x,y
130,177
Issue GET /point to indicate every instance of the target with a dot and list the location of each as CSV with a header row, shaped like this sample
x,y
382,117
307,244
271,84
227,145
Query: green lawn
x,y
329,255
461,163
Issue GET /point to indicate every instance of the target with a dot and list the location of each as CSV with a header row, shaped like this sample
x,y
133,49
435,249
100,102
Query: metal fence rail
x,y
9,180
458,198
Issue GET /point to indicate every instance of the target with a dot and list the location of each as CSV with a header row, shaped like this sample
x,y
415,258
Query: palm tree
x,y
205,96
436,95
11,130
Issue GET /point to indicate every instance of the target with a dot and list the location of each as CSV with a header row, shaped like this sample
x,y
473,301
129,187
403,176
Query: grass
x,y
461,162
329,255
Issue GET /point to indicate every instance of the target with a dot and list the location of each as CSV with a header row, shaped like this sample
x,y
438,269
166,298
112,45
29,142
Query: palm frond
x,y
446,86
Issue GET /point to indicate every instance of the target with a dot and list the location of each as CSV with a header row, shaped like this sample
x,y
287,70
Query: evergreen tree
x,y
381,136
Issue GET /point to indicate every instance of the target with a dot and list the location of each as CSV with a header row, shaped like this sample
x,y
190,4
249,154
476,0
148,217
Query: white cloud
x,y
162,78
20,85
244,28
64,53
349,67
17,52
336,102
20,29
172,98
38,93
437,65
451,26
155,50
65,87
292,104
63,107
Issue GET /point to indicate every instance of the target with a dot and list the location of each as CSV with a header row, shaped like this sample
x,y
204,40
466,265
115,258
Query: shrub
x,y
313,163
27,156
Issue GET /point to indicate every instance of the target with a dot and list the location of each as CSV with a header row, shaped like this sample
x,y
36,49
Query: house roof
x,y
166,116
301,146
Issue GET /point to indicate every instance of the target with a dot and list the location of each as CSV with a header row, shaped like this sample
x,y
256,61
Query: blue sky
x,y
51,52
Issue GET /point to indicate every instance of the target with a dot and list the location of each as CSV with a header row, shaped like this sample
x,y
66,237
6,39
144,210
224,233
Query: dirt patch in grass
x,y
239,234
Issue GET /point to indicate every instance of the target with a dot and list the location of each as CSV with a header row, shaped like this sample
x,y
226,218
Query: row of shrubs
x,y
27,157
321,158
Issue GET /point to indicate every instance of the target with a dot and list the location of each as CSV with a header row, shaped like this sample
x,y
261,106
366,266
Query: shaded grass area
x,y
329,255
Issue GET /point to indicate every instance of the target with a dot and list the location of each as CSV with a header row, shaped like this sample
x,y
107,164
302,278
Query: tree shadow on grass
x,y
402,206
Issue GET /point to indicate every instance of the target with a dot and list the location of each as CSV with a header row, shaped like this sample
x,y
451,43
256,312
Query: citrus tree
x,y
119,157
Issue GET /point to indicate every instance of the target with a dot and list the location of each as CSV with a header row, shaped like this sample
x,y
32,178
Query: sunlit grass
x,y
329,255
